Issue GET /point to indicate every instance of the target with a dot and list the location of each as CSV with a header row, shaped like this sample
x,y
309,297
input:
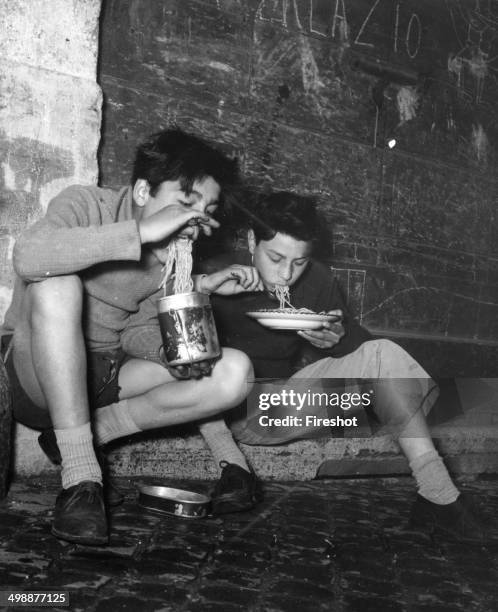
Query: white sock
x,y
78,456
434,482
221,443
112,422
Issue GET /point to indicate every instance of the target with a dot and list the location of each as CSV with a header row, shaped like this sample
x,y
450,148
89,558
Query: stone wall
x,y
50,111
50,119
382,111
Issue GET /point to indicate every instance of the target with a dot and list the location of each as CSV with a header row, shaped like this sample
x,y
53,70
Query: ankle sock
x,y
112,422
221,443
78,456
433,481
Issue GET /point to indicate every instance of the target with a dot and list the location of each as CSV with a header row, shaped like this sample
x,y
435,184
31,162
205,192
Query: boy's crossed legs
x,y
50,361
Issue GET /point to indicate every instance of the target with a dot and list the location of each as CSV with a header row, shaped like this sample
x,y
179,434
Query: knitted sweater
x,y
93,232
275,353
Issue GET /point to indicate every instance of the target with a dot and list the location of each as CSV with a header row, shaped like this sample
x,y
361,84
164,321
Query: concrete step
x,y
469,444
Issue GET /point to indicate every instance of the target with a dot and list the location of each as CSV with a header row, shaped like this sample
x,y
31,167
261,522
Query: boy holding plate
x,y
282,232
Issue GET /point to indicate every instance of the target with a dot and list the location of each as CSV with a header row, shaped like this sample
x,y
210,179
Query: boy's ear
x,y
251,241
141,190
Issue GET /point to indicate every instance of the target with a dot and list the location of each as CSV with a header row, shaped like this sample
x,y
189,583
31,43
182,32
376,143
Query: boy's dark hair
x,y
173,154
286,213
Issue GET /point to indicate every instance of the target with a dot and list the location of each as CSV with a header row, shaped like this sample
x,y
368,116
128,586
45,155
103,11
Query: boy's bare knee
x,y
235,376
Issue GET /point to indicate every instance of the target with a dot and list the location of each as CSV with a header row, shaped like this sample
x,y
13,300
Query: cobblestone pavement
x,y
321,545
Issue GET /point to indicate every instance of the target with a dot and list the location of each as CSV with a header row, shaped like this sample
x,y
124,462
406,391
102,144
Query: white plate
x,y
285,320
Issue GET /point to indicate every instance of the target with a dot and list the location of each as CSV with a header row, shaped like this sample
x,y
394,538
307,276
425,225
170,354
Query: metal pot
x,y
177,502
187,327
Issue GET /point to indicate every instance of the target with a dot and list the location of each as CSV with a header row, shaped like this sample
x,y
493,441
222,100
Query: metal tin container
x,y
187,327
177,502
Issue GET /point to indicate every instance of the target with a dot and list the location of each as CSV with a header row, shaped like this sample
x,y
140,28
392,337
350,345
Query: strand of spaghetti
x,y
282,293
183,267
169,264
179,258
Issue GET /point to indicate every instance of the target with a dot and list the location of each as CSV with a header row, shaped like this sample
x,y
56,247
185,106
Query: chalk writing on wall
x,y
307,93
337,25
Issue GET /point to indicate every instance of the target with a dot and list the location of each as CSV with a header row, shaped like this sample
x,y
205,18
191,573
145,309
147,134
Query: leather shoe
x,y
237,490
80,516
459,520
48,444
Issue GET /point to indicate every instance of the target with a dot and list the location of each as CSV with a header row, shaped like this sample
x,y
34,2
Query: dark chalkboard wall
x,y
308,94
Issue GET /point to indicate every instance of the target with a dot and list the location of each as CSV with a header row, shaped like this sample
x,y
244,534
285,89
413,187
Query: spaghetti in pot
x,y
185,317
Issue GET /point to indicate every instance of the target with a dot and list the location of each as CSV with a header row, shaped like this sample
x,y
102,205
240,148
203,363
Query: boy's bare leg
x,y
49,352
172,402
50,361
415,439
151,397
401,407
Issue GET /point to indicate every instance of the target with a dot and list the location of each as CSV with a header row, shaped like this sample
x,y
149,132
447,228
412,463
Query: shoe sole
x,y
95,541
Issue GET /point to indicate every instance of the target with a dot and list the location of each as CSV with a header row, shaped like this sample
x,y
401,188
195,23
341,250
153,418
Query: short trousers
x,y
102,383
401,385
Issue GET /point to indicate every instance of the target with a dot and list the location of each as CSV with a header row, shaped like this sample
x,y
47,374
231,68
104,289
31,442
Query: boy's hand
x,y
231,280
171,219
194,370
330,334
189,370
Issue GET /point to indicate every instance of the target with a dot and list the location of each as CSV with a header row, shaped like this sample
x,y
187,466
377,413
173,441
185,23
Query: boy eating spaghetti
x,y
85,362
280,242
